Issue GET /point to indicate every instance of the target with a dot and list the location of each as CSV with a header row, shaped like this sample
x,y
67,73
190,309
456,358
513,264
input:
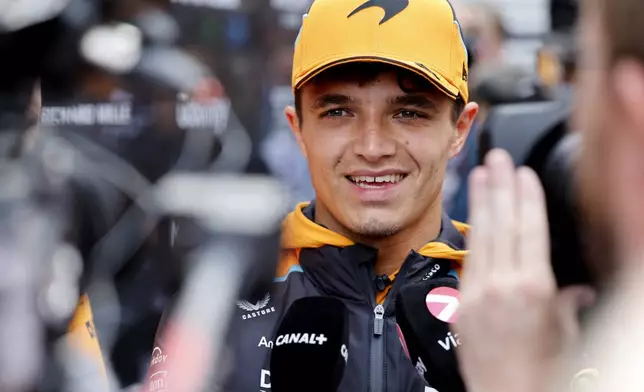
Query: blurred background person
x,y
279,148
486,33
520,52
512,62
377,136
609,96
492,85
486,40
557,64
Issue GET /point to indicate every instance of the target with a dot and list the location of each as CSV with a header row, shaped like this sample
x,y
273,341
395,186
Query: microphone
x,y
310,351
424,312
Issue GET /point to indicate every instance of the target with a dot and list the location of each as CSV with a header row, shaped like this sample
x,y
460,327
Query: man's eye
x,y
408,114
334,113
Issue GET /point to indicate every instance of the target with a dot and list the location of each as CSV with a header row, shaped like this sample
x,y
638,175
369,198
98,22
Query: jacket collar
x,y
336,264
300,231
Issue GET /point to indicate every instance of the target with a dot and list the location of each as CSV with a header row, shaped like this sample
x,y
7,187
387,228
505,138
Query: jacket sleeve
x,y
83,338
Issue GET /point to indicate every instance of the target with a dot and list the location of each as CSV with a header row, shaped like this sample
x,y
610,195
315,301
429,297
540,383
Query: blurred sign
x,y
88,114
290,12
291,5
218,4
213,114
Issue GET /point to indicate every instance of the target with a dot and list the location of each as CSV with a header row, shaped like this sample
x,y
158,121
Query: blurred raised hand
x,y
514,322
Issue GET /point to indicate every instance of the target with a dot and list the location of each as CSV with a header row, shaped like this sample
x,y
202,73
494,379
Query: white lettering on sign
x,y
450,341
431,273
214,114
265,379
263,342
219,4
301,338
158,357
88,114
258,313
157,382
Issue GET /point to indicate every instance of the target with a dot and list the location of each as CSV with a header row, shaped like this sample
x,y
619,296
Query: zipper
x,y
376,341
377,349
378,345
377,353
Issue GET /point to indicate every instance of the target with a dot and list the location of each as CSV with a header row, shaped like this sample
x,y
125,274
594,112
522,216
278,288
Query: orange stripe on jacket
x,y
300,232
82,335
288,259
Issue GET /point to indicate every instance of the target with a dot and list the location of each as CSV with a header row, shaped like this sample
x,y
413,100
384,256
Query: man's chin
x,y
375,223
376,230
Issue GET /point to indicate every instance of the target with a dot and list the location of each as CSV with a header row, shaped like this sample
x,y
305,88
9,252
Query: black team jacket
x,y
316,261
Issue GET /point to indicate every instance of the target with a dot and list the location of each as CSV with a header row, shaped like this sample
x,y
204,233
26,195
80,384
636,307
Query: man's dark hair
x,y
364,73
624,24
563,15
494,85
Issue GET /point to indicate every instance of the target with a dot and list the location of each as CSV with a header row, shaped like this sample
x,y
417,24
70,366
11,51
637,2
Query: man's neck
x,y
392,250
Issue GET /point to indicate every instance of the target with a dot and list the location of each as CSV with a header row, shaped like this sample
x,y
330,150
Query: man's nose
x,y
374,142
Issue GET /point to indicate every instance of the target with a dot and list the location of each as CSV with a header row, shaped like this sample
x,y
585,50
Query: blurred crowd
x,y
89,139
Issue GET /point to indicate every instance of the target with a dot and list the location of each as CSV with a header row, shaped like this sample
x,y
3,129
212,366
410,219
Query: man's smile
x,y
376,186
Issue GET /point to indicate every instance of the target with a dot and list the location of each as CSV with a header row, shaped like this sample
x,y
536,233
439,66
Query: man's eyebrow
x,y
330,100
416,100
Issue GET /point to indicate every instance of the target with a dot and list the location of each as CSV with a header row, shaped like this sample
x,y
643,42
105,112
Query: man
x,y
521,353
491,34
485,36
380,106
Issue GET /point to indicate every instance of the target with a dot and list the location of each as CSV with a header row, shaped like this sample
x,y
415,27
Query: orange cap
x,y
423,36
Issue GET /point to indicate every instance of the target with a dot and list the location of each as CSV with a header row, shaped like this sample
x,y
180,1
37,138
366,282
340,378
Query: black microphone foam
x,y
310,351
424,312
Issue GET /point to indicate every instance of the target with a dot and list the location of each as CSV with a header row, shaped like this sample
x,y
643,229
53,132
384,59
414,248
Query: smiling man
x,y
380,107
377,138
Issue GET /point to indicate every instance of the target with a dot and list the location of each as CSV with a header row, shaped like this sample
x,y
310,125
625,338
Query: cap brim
x,y
432,76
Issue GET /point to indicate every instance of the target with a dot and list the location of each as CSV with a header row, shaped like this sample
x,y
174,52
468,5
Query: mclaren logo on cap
x,y
391,8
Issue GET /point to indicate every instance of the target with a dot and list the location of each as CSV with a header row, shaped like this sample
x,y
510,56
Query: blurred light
x,y
116,48
58,160
159,26
15,182
174,68
18,14
297,6
61,296
217,4
244,205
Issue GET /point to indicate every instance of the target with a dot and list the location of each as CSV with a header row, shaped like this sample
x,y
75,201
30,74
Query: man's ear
x,y
295,123
462,128
628,82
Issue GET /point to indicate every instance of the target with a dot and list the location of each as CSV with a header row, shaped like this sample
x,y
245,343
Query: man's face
x,y
591,106
377,154
609,100
590,118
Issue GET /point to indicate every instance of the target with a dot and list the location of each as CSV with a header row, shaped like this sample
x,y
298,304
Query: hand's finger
x,y
570,300
504,217
479,217
534,237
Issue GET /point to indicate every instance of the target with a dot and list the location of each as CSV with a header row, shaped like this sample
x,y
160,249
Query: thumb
x,y
570,301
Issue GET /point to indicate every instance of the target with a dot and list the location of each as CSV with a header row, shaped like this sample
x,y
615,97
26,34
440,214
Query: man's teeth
x,y
374,182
